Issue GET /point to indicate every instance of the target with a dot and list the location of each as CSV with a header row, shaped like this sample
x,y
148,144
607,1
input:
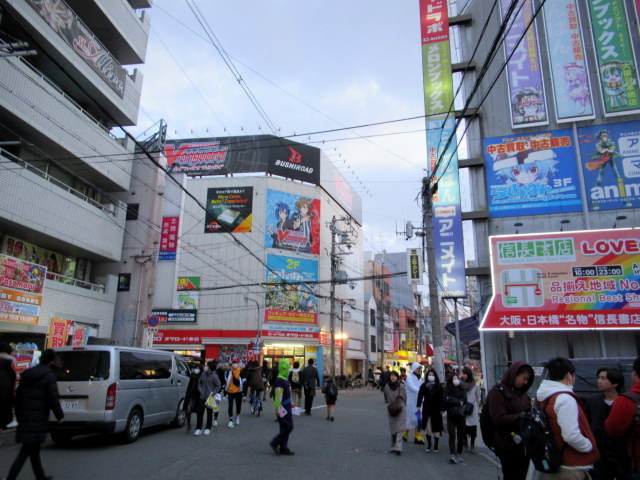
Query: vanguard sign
x,y
565,281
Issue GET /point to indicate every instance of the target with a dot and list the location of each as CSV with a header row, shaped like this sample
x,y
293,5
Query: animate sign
x,y
565,280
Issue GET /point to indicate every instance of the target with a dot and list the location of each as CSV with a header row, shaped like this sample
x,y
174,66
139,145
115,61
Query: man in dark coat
x,y
310,381
7,384
37,394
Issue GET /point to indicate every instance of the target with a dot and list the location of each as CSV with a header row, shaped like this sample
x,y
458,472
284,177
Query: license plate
x,y
70,404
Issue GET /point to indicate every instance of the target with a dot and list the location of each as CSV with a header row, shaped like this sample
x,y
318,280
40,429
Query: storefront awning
x,y
355,355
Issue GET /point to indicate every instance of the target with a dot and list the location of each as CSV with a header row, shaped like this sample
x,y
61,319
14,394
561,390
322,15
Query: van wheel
x,y
134,426
181,416
61,438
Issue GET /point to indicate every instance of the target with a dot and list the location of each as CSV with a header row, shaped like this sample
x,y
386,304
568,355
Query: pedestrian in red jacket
x,y
622,419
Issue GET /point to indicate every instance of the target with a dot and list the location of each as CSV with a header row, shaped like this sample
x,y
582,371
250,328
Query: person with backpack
x,y
567,421
430,397
234,388
624,420
296,384
499,421
613,461
473,397
330,390
455,399
396,395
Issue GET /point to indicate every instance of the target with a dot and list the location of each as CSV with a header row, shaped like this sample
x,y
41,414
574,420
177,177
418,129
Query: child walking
x,y
330,390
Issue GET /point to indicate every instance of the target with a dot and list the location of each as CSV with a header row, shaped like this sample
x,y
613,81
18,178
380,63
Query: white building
x,y
61,91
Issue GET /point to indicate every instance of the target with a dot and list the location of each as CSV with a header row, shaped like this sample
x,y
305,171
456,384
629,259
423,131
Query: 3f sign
x,y
414,266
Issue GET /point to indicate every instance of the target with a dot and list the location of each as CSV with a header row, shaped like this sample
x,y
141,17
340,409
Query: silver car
x,y
117,390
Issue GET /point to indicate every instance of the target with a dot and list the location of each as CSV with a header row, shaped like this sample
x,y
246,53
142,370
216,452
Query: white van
x,y
117,390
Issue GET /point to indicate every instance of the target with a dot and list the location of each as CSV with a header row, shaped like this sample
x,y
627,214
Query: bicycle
x,y
256,404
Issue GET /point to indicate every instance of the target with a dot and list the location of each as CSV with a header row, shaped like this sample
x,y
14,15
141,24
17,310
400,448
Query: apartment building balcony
x,y
141,3
73,58
37,205
121,29
37,110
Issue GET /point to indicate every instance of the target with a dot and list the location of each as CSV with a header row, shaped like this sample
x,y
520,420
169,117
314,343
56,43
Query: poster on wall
x,y
229,210
291,290
169,238
569,68
55,262
228,353
293,222
21,285
610,156
524,74
615,58
532,174
565,281
187,293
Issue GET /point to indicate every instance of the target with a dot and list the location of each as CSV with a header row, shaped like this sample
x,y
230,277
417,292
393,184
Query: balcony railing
x,y
94,287
109,208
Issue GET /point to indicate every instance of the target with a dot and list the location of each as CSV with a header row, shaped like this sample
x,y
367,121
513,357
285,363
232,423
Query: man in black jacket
x,y
37,394
310,381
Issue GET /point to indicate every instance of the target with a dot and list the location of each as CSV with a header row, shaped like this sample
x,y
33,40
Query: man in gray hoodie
x,y
208,384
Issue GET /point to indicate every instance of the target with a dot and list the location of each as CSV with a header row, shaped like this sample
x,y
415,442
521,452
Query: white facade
x,y
60,167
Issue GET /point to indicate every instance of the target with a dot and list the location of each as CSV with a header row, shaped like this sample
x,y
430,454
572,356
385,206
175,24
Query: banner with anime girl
x,y
571,86
615,57
532,174
293,222
291,290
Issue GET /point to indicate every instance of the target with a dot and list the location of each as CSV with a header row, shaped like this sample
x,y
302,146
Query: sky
x,y
312,66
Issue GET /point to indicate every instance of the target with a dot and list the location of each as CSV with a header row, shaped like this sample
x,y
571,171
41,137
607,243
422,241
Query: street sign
x,y
153,321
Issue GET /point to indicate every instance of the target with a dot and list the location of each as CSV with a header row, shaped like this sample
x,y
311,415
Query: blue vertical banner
x,y
443,166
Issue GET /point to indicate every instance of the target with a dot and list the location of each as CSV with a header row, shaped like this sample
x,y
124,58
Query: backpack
x,y
332,390
539,444
487,427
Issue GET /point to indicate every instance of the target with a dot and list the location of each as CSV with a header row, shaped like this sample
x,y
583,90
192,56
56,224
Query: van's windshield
x,y
83,365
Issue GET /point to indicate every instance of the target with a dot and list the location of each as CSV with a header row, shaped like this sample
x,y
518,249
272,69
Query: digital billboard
x,y
229,210
610,156
565,281
291,290
532,174
293,222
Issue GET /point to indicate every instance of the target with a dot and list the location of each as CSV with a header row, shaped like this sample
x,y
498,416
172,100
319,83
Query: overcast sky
x,y
312,66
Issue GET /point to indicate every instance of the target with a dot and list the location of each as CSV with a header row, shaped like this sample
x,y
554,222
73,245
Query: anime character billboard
x,y
293,222
532,174
610,156
291,290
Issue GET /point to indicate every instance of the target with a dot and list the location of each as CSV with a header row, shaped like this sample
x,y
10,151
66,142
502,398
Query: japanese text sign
x,y
169,238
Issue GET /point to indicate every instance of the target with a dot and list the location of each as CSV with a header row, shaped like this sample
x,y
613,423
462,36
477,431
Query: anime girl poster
x,y
293,222
532,174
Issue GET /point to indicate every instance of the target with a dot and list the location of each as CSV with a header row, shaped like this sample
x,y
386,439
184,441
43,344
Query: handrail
x,y
94,287
109,208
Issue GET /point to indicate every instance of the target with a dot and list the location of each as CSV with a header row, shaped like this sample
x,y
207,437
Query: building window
x,y
372,317
124,282
373,344
132,211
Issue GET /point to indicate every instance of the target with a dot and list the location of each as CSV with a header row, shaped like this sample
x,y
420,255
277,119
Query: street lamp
x,y
259,323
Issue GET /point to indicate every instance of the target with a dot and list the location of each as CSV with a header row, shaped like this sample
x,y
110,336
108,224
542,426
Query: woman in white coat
x,y
473,396
412,384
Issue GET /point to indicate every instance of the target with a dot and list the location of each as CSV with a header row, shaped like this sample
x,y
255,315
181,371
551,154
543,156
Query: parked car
x,y
110,389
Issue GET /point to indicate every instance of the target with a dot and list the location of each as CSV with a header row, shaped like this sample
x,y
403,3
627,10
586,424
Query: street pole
x,y
429,247
332,297
458,342
341,337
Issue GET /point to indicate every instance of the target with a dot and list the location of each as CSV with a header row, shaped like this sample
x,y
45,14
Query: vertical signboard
x,y
80,336
438,99
169,238
58,332
616,64
565,281
610,156
569,68
293,222
291,290
21,285
415,266
535,172
524,75
229,210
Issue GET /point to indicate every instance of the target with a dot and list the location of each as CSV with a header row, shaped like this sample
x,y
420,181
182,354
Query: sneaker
x,y
435,450
460,459
215,423
230,424
238,420
453,459
428,450
207,432
198,432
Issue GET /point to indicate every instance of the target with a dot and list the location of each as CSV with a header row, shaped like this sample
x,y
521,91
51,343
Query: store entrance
x,y
293,354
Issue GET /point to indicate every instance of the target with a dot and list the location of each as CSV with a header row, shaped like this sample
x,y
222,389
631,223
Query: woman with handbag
x,y
396,395
208,385
455,399
473,397
430,397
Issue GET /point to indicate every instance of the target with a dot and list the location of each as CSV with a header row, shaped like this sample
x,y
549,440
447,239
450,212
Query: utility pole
x,y
429,248
332,295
